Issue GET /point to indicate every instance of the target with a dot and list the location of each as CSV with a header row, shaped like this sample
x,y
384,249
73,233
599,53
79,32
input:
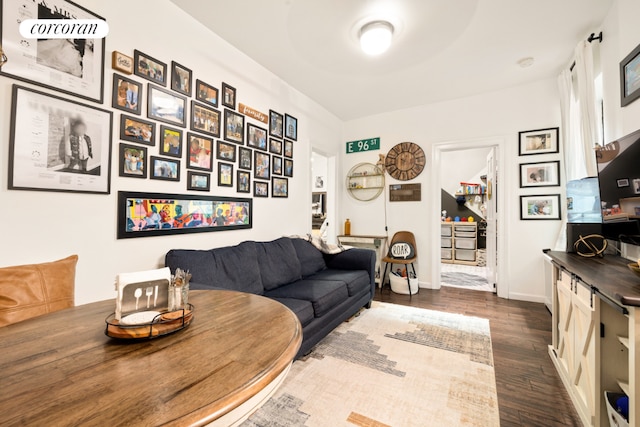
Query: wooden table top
x,y
61,369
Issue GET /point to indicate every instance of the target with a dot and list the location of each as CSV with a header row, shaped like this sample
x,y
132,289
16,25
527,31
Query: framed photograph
x,y
243,182
630,77
121,62
156,214
288,168
137,130
276,165
206,93
181,78
200,152
288,149
166,106
205,119
126,94
636,186
622,183
260,189
276,124
245,160
225,175
540,207
198,181
228,96
226,152
133,161
256,137
290,127
73,66
262,162
542,174
233,127
166,169
541,141
59,144
280,187
275,146
170,141
149,68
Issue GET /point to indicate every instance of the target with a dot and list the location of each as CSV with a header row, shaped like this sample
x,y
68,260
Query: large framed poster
x,y
57,144
73,66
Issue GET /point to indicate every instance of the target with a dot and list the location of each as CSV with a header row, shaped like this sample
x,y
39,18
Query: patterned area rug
x,y
463,280
391,366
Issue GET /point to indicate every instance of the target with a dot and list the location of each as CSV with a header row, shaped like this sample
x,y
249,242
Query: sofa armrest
x,y
355,259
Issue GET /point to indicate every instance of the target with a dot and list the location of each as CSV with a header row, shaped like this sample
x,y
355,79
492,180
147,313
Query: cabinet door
x,y
565,325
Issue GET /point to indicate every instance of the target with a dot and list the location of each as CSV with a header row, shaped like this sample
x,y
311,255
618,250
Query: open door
x,y
491,218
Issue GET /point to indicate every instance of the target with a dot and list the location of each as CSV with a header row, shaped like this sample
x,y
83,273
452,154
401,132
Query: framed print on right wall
x,y
539,141
541,174
540,207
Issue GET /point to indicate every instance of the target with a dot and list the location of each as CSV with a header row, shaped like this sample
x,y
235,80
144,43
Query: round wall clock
x,y
405,161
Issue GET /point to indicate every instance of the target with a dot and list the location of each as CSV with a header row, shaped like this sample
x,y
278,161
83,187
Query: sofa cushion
x,y
356,280
278,261
311,259
302,309
323,294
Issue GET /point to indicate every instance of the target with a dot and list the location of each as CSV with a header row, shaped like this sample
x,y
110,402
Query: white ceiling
x,y
442,49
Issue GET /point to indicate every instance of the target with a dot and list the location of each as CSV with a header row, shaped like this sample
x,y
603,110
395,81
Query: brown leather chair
x,y
389,260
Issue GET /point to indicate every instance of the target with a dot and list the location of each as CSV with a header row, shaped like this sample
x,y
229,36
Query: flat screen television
x,y
619,182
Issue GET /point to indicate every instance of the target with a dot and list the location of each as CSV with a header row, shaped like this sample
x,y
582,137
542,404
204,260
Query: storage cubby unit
x,y
459,242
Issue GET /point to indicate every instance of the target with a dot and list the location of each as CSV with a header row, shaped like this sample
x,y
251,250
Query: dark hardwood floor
x,y
530,392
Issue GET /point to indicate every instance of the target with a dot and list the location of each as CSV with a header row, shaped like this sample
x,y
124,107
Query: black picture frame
x,y
149,68
540,207
276,165
226,151
183,213
132,160
261,165
198,181
539,141
126,94
225,174
181,79
279,187
206,93
164,168
256,137
134,129
245,158
290,127
171,141
630,78
157,100
288,148
233,127
199,152
243,181
228,96
288,168
275,146
260,189
205,119
276,124
540,174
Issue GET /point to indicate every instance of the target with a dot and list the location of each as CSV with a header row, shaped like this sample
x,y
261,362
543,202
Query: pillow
x,y
28,291
279,264
311,259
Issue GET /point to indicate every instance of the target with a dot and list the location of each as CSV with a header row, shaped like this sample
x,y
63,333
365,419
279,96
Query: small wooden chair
x,y
389,260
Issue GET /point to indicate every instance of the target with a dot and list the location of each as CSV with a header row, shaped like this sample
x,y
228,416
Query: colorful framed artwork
x,y
181,78
200,152
280,187
243,182
158,214
165,169
275,146
126,94
288,168
276,165
198,181
72,66
260,189
630,77
540,207
57,144
288,149
170,141
226,152
290,127
166,106
206,93
262,165
228,96
121,62
245,158
233,127
136,130
540,141
276,124
256,137
205,119
133,161
541,174
225,174
149,68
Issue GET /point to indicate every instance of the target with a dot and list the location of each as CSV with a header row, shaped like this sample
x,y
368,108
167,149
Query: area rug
x,y
391,366
463,280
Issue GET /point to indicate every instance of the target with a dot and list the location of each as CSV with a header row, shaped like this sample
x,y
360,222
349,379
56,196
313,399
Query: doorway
x,y
323,191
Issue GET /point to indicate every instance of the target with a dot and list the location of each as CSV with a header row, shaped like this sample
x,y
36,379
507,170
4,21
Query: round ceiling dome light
x,y
375,37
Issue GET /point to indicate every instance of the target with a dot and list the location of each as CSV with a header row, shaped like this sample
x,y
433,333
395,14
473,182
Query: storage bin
x,y
445,253
615,418
399,284
465,255
466,234
445,230
468,228
445,242
466,244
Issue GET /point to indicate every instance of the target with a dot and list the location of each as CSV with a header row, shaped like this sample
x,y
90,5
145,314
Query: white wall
x,y
44,226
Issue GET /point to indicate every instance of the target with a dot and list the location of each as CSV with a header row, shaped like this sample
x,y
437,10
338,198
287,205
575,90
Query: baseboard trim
x,y
527,297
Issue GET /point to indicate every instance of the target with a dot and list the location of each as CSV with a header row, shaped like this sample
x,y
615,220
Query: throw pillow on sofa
x,y
279,263
311,259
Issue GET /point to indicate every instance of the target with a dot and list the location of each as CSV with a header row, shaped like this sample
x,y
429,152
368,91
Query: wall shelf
x,y
365,182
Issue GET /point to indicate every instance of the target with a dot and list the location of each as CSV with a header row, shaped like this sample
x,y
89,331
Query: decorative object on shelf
x,y
256,137
540,207
243,182
288,168
276,124
75,66
630,77
228,96
78,137
262,165
365,181
226,151
540,141
170,141
133,161
165,169
405,161
149,68
121,62
290,127
206,93
260,189
234,127
198,181
280,187
225,175
181,78
347,227
205,119
137,130
165,106
541,174
157,214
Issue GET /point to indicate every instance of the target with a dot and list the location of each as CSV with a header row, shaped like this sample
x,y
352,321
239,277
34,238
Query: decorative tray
x,y
163,324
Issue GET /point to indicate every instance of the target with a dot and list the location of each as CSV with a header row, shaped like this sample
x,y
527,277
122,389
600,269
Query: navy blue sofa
x,y
322,290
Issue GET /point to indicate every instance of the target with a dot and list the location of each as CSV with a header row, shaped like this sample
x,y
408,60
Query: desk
x,y
60,369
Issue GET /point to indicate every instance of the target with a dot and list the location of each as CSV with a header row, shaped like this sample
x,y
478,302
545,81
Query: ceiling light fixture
x,y
375,37
525,62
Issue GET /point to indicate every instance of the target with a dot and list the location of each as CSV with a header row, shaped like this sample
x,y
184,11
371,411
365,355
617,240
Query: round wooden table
x,y
60,369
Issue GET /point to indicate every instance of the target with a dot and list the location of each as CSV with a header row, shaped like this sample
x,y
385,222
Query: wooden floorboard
x,y
530,392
